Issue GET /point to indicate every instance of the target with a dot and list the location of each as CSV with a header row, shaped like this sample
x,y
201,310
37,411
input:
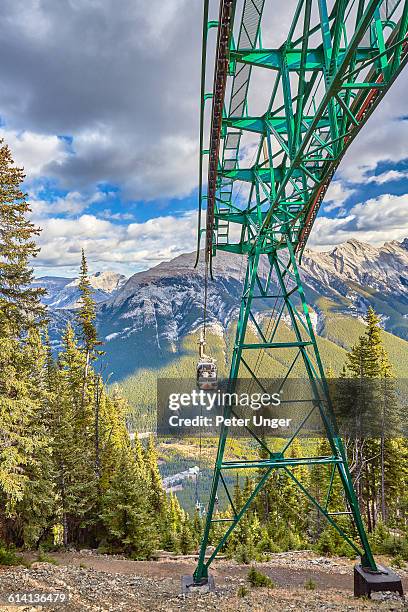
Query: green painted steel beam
x,y
278,345
259,124
323,84
273,59
250,175
279,463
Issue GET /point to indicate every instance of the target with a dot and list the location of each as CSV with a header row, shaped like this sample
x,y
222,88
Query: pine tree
x,y
74,448
197,527
20,305
87,313
126,513
20,311
18,412
369,396
34,516
186,544
113,434
89,341
157,494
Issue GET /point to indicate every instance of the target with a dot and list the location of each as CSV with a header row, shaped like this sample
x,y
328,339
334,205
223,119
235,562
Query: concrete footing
x,y
189,586
367,581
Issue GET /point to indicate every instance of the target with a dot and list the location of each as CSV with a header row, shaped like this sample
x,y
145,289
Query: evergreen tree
x,y
87,313
157,494
197,528
35,514
368,395
186,538
74,448
125,511
20,311
20,305
89,340
23,439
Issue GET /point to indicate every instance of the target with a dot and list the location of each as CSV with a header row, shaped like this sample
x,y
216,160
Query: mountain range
x,y
63,293
145,319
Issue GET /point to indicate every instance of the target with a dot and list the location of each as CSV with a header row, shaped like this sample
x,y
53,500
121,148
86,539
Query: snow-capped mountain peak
x,y
64,292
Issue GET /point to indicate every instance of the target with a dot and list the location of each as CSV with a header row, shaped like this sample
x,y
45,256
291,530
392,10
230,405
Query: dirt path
x,y
99,583
282,575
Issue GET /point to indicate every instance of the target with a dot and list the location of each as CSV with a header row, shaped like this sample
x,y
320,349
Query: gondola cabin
x,y
206,368
207,374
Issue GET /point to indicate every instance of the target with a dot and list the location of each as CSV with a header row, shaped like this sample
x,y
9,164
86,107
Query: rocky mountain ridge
x,y
144,319
63,293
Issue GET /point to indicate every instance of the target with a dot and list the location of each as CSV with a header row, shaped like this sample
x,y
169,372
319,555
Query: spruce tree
x,y
87,312
74,444
20,303
18,410
370,396
89,341
186,544
157,494
126,513
35,515
20,311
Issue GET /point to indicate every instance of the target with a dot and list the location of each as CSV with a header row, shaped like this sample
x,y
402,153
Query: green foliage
x,y
310,585
8,557
398,562
68,471
258,579
331,543
125,511
243,591
20,306
86,312
245,553
387,542
44,557
186,544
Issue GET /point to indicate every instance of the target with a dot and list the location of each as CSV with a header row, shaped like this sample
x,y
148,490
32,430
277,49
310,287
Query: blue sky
x,y
100,106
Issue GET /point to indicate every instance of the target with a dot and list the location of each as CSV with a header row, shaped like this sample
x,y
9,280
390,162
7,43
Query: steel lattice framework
x,y
326,78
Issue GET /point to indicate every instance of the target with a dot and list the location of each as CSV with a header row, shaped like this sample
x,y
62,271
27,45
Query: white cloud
x,y
123,83
336,195
34,151
71,204
113,246
108,214
383,139
378,219
386,177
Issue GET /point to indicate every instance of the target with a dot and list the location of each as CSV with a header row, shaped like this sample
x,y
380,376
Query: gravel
x,y
117,584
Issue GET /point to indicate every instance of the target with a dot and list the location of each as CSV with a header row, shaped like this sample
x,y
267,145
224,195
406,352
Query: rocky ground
x,y
98,583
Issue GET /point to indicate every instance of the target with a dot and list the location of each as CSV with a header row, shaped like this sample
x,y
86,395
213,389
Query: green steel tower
x,y
312,89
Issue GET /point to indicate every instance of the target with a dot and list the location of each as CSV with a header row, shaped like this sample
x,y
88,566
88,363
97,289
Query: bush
x,y
43,557
257,579
243,591
326,544
245,553
267,544
387,543
398,562
286,540
378,536
310,585
331,542
8,557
